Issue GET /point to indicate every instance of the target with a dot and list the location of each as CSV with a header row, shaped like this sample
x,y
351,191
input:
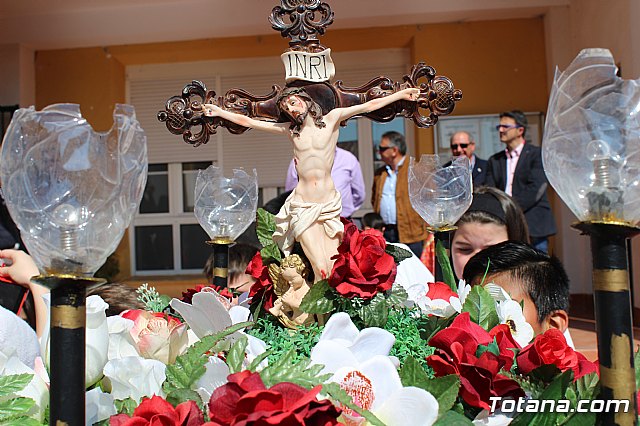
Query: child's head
x,y
493,217
372,221
119,296
528,275
239,257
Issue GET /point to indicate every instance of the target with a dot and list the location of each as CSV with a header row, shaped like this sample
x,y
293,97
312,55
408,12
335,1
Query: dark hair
x,y
543,276
519,117
396,139
119,296
239,257
512,217
373,220
314,109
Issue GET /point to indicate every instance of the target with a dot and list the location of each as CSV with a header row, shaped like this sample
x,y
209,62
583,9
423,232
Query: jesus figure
x,y
311,213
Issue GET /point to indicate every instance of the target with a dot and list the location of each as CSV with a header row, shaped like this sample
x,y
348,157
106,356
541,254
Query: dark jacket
x,y
479,172
529,188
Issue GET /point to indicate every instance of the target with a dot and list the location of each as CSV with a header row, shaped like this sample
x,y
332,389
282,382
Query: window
x,y
166,236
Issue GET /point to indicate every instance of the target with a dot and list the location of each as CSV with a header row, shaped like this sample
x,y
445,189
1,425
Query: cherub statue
x,y
290,286
311,213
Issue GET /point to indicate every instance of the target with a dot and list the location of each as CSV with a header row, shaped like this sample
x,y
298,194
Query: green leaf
x,y
481,308
257,360
15,407
445,265
555,391
375,313
397,296
445,389
491,347
189,367
545,373
164,301
271,252
179,396
236,354
265,227
433,324
21,421
319,300
637,366
452,418
344,400
398,253
125,406
14,383
302,373
587,386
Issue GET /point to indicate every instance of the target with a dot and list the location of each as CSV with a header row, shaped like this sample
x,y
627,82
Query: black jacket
x,y
479,172
529,188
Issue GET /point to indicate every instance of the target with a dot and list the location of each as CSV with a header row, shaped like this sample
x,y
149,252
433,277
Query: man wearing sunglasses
x,y
390,195
462,143
518,171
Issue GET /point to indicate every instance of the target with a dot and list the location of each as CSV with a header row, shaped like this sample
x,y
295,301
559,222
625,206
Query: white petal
x,y
239,314
408,406
121,343
255,348
333,356
340,327
372,341
496,419
99,406
384,378
497,292
206,315
135,377
215,376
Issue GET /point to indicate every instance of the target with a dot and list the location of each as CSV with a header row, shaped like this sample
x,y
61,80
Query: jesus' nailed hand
x,y
311,214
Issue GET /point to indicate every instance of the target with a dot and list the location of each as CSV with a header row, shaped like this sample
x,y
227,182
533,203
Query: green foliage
x,y
179,396
125,406
445,265
152,300
265,227
397,296
271,253
444,389
282,340
398,253
453,418
20,421
481,308
555,391
319,300
405,327
375,312
189,367
235,357
15,408
429,326
13,383
344,400
491,347
301,372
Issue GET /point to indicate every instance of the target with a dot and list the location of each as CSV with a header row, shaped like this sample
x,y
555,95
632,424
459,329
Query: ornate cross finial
x,y
302,27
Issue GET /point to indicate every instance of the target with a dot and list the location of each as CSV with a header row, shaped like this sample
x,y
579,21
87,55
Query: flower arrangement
x,y
433,353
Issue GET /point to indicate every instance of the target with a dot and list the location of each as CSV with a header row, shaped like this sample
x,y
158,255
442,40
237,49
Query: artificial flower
x,y
341,343
245,400
99,406
37,389
187,295
510,313
480,376
134,377
157,335
262,289
551,348
362,267
215,375
156,411
97,340
435,299
121,343
374,385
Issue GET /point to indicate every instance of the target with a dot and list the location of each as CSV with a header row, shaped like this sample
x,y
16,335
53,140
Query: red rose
x,y
187,295
262,289
440,290
157,411
456,348
362,267
506,343
551,348
245,400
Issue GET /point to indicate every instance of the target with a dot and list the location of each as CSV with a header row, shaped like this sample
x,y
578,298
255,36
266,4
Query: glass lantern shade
x,y
225,207
439,194
591,145
71,191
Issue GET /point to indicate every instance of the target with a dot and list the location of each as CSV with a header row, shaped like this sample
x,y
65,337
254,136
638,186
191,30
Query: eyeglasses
x,y
459,145
384,148
507,126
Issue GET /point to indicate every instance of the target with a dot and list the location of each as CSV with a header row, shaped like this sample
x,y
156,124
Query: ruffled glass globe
x,y
591,146
71,191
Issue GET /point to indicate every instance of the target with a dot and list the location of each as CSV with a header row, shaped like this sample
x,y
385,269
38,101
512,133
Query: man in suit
x,y
462,143
390,195
518,171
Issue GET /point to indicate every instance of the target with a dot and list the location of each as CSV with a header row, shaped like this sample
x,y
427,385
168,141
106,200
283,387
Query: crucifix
x,y
309,110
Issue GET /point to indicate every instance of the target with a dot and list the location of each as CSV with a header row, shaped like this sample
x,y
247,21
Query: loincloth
x,y
295,217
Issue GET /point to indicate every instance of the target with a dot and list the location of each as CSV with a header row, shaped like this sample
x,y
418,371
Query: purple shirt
x,y
347,177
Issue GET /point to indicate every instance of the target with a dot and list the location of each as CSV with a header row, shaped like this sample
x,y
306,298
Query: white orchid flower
x,y
438,306
341,343
135,377
215,376
375,386
99,406
207,315
37,389
463,291
510,313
